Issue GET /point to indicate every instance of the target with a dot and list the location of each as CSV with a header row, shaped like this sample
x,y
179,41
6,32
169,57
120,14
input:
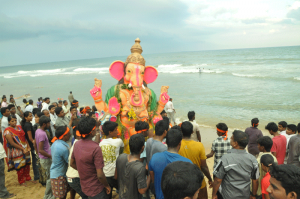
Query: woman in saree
x,y
17,150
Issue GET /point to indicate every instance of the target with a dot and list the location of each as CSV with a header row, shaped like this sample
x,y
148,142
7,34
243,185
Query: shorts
x,y
60,187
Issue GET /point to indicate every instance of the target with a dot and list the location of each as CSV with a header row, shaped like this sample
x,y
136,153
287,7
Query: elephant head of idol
x,y
134,73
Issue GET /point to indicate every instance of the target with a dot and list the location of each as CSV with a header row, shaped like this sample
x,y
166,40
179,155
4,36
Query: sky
x,y
49,31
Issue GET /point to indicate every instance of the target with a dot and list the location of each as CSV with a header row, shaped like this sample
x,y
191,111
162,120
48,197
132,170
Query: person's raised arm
x,y
101,177
42,151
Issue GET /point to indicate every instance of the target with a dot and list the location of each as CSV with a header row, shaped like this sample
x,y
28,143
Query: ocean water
x,y
233,87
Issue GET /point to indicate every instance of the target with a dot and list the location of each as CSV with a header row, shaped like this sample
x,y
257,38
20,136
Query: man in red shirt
x,y
266,161
279,142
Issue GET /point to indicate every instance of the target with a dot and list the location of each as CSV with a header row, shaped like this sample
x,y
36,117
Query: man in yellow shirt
x,y
196,153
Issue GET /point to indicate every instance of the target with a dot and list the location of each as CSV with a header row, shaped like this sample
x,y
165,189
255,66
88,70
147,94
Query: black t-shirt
x,y
28,127
131,177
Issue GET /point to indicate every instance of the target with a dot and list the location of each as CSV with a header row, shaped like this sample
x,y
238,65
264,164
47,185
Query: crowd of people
x,y
70,150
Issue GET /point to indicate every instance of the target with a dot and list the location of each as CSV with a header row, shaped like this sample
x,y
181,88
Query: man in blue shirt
x,y
59,166
160,160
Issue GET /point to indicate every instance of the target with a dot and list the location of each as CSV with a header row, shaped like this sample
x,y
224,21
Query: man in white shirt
x,y
29,107
66,108
4,122
53,118
170,111
196,129
46,103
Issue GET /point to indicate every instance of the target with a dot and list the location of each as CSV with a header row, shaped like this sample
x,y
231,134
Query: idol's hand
x,y
96,92
164,97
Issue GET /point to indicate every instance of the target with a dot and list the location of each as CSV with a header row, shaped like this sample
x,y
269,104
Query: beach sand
x,y
37,190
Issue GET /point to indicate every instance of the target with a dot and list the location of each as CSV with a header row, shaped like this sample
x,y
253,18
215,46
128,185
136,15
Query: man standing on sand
x,y
170,110
46,103
71,97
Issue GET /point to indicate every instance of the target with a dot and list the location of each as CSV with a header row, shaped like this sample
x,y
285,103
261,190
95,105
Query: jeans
x,y
3,191
35,167
46,164
101,195
75,184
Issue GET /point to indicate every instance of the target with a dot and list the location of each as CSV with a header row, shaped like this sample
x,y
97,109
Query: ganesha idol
x,y
130,100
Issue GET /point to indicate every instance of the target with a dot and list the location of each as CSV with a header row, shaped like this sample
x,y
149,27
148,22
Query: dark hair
x,y
50,107
10,117
74,101
283,124
167,122
11,98
59,101
160,128
298,127
163,112
94,108
10,106
30,101
60,131
241,138
70,91
80,109
140,125
180,180
173,138
136,143
36,110
176,127
187,129
254,122
72,107
91,114
65,101
39,114
222,126
293,127
3,110
46,98
109,126
288,175
266,142
44,120
86,125
44,111
24,101
58,110
267,160
191,115
272,127
26,114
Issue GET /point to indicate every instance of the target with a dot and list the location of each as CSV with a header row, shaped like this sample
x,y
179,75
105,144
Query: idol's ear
x,y
116,70
150,74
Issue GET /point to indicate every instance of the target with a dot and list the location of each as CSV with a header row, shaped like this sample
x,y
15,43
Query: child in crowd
x,y
160,160
60,159
265,144
111,148
196,153
221,145
12,110
60,103
293,145
253,133
266,161
88,160
44,153
282,127
181,180
30,136
130,172
279,143
17,150
143,128
72,174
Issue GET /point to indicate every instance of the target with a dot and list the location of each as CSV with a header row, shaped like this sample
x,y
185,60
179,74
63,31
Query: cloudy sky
x,y
47,31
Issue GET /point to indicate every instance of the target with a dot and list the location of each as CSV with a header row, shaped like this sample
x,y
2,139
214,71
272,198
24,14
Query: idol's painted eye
x,y
142,73
128,71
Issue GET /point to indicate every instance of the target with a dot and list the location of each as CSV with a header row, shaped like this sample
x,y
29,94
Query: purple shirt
x,y
41,136
253,134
